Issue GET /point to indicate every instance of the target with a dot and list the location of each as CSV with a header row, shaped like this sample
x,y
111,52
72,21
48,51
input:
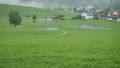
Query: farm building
x,y
87,15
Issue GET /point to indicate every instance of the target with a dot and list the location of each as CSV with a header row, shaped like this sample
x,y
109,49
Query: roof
x,y
88,14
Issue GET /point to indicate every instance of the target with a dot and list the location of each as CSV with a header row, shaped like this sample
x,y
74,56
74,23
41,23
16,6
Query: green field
x,y
28,11
66,44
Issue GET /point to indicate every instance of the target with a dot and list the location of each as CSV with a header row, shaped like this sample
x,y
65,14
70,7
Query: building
x,y
114,15
114,12
87,15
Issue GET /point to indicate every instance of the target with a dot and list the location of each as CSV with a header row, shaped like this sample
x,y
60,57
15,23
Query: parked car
x,y
109,18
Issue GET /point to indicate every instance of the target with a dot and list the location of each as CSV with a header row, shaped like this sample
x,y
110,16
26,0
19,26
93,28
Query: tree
x,y
14,18
74,9
34,18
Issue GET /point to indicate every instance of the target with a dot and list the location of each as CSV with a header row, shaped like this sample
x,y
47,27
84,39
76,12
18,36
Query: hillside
x,y
113,4
29,11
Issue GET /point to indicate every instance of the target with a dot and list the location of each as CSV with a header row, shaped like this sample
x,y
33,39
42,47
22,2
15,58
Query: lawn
x,y
60,44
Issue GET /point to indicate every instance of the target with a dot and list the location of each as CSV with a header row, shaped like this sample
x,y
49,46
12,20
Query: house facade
x,y
87,15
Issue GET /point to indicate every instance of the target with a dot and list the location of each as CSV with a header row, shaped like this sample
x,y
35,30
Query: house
x,y
114,12
87,15
113,15
99,10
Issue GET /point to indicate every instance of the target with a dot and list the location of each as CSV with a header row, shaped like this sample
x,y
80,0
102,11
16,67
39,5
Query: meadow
x,y
66,45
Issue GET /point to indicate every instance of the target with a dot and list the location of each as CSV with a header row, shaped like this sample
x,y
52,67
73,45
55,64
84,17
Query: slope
x,y
28,11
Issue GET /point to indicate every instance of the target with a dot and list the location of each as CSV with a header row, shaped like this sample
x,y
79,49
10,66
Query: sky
x,y
18,2
8,1
63,3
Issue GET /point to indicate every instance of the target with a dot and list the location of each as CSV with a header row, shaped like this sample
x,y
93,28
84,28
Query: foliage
x,y
34,16
77,17
14,18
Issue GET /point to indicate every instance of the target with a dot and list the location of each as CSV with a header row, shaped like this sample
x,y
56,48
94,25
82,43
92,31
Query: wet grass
x,y
29,47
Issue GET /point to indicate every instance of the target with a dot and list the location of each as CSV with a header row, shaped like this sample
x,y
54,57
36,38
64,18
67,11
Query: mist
x,y
29,3
64,3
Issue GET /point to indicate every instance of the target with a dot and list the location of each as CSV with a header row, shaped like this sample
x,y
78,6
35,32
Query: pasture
x,y
32,46
60,44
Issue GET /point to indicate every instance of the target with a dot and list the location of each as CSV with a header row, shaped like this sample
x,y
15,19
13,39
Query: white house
x,y
87,15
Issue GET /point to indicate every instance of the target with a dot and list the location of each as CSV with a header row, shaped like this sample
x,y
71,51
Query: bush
x,y
77,17
34,18
28,16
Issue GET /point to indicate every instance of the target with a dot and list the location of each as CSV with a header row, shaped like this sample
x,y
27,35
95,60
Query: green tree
x,y
34,18
14,18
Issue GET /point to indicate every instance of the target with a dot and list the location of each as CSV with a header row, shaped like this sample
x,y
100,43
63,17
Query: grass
x,y
30,47
29,11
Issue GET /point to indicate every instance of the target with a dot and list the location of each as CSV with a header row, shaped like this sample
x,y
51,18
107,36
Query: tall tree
x,y
14,18
34,18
